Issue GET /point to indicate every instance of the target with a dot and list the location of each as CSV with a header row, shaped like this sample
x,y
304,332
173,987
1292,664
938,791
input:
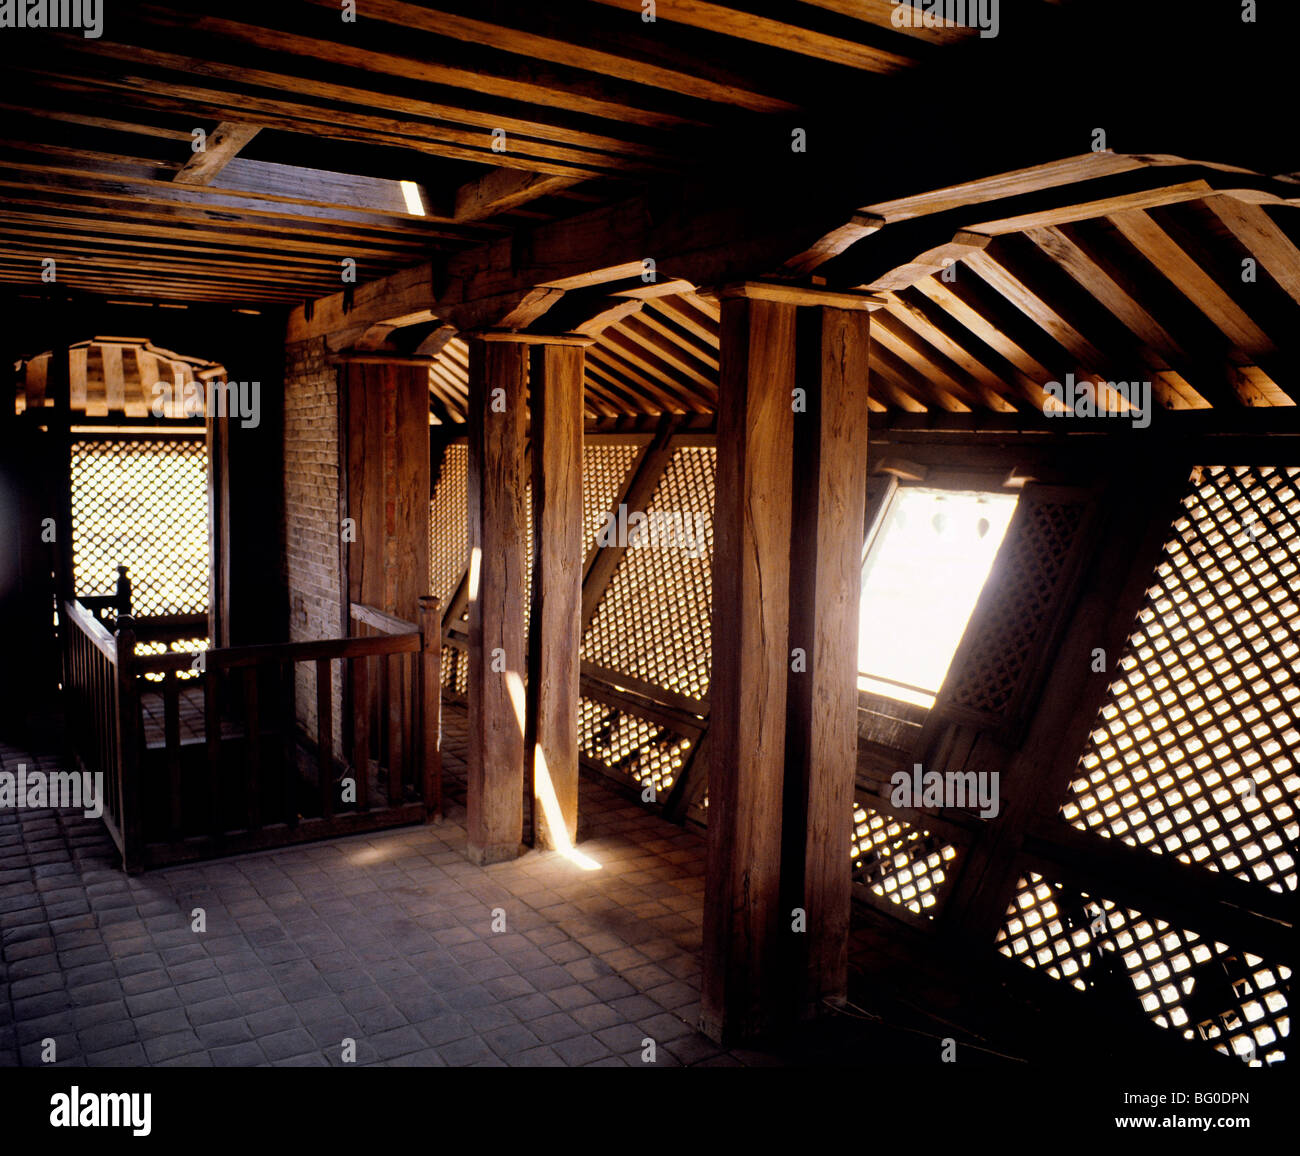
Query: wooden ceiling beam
x,y
992,385
774,33
679,311
1029,375
881,13
930,389
619,351
86,209
630,58
666,349
60,115
703,352
269,274
907,347
1044,309
114,180
196,238
501,190
1262,238
1118,289
519,80
889,384
621,394
393,122
1182,269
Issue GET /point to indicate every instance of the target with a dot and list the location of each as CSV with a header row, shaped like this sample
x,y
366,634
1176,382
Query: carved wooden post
x,y
123,592
498,530
791,472
751,575
555,628
830,456
128,746
431,701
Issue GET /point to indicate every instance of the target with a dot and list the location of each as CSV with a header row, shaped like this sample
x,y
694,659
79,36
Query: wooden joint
x,y
360,357
802,295
524,338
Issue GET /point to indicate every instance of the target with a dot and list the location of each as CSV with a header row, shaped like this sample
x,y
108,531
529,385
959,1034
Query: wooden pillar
x,y
430,683
751,564
217,440
498,529
791,493
555,631
830,467
127,704
58,385
386,492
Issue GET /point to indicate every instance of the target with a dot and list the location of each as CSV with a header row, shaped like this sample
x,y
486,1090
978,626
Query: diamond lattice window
x,y
142,504
630,745
898,861
605,467
448,524
653,622
1195,751
1232,1000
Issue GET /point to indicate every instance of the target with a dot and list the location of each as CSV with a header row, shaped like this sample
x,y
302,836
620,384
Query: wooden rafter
x,y
223,144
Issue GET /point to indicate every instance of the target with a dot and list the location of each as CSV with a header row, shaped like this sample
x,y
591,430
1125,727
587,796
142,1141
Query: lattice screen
x,y
630,745
605,467
1016,609
455,669
448,524
143,504
1235,1001
1195,750
898,861
653,622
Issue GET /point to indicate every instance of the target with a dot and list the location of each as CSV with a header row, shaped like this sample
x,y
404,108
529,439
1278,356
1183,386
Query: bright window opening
x,y
922,578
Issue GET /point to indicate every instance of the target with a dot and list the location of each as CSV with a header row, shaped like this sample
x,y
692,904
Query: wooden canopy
x,y
115,377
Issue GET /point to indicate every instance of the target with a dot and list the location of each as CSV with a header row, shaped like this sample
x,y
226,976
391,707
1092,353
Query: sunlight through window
x,y
920,584
411,195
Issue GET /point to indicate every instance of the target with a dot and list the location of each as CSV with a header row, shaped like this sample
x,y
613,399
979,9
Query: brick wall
x,y
311,514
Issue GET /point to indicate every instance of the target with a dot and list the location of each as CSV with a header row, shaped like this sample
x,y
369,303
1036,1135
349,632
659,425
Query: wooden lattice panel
x,y
449,524
631,746
1016,610
653,622
1233,1000
898,861
455,669
142,504
605,467
1195,750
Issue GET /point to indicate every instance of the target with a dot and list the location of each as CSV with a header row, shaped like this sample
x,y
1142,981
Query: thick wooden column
x,y
751,564
830,466
556,621
498,530
387,486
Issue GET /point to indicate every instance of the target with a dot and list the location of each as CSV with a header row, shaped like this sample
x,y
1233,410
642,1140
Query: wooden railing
x,y
96,701
106,607
207,753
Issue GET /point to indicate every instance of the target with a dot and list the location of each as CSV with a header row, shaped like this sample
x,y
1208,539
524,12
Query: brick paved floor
x,y
384,939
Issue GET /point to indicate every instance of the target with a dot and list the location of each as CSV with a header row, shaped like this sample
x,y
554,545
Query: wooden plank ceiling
x,y
419,131
1164,295
504,113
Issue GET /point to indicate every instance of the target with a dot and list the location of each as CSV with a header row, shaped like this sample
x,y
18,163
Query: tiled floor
x,y
394,941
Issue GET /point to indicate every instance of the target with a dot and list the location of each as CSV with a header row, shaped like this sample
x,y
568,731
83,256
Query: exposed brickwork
x,y
311,512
